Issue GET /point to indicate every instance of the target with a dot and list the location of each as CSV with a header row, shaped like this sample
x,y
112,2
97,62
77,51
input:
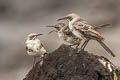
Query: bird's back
x,y
87,30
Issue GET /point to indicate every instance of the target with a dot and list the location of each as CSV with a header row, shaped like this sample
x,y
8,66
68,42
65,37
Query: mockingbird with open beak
x,y
66,35
34,47
81,29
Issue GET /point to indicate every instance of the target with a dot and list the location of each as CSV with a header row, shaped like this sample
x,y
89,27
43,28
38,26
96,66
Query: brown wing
x,y
68,32
92,34
41,45
89,31
95,34
82,25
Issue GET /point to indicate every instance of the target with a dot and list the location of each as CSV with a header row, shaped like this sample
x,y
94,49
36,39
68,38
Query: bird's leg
x,y
77,47
34,60
84,44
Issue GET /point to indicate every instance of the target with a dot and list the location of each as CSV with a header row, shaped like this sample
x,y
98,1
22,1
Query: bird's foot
x,y
80,49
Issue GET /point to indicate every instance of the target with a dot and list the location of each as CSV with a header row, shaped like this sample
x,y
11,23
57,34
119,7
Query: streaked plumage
x,y
81,29
66,35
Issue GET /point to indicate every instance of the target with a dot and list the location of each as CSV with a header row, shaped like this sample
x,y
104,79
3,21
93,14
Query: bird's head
x,y
33,35
69,17
58,26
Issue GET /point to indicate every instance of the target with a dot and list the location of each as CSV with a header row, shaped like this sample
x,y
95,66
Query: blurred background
x,y
18,18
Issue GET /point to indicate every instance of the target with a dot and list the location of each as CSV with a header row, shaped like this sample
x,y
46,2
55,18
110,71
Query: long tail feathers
x,y
106,48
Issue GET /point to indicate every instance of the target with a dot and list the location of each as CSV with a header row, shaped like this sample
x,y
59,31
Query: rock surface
x,y
65,64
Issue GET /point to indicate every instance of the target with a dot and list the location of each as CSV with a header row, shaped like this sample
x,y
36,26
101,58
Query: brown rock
x,y
65,64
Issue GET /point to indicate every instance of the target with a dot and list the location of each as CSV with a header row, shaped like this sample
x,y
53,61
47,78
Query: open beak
x,y
39,34
64,18
53,30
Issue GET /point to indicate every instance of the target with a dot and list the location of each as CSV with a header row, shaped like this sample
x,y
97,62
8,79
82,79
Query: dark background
x,y
18,18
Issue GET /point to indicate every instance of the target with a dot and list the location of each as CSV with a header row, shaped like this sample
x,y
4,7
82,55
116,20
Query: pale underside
x,y
35,48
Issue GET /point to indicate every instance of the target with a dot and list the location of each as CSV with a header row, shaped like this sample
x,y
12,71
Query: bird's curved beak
x,y
39,34
54,27
64,18
53,30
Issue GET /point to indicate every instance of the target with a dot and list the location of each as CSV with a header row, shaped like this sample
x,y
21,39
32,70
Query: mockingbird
x,y
66,35
81,29
34,47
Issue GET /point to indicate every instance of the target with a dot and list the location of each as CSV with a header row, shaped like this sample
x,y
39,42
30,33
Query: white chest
x,y
33,45
35,48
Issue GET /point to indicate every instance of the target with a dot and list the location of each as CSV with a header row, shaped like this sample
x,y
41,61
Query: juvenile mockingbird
x,y
83,30
34,47
65,34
